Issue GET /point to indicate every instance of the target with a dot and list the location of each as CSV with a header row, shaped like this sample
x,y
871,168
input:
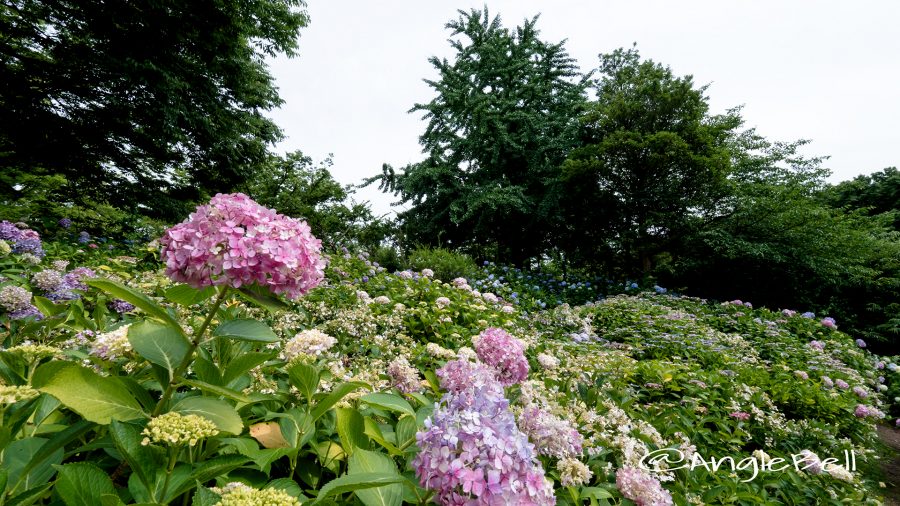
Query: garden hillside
x,y
337,381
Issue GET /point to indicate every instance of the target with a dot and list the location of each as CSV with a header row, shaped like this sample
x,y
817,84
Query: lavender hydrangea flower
x,y
471,452
829,322
84,237
551,435
28,312
121,306
860,343
65,223
809,314
14,298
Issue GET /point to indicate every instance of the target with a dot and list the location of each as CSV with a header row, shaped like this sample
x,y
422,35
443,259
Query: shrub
x,y
445,264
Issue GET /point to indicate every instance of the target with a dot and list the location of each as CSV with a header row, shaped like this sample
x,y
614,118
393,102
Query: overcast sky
x,y
827,71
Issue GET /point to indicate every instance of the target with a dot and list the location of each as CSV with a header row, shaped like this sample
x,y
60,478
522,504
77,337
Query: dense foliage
x,y
121,386
140,104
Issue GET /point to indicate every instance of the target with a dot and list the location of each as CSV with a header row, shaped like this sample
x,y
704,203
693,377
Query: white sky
x,y
828,71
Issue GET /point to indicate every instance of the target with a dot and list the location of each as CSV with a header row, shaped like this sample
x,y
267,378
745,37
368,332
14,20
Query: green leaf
x,y
246,330
30,496
96,398
353,482
83,484
159,344
243,363
364,461
143,460
405,431
111,500
391,402
374,432
263,298
205,497
215,410
17,460
306,378
48,307
218,391
335,396
141,301
351,428
186,295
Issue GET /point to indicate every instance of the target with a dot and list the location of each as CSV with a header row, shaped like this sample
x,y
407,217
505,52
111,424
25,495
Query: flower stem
x,y
188,357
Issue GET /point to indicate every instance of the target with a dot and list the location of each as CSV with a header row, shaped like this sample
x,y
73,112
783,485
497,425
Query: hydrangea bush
x,y
251,368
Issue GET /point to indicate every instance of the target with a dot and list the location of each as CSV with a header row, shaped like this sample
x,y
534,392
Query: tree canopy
x,y
503,119
144,101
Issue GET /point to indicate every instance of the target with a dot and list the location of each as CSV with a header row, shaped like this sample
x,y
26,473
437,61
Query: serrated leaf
x,y
353,482
334,397
186,295
351,428
364,461
158,343
215,410
306,378
141,301
83,484
99,399
246,330
391,402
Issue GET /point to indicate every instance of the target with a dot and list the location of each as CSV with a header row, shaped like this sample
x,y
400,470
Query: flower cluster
x,y
47,279
404,377
111,345
238,494
548,362
829,322
31,352
121,306
505,353
234,241
471,451
24,240
638,486
14,298
551,435
573,472
307,344
11,394
437,351
176,429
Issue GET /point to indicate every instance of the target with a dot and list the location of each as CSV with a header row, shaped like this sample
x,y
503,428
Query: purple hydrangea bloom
x,y
30,311
829,322
860,343
9,232
471,452
505,353
65,223
809,314
84,237
121,306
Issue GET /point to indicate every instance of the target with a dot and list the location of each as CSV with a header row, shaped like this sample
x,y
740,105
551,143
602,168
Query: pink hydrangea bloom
x,y
233,241
503,352
640,487
829,322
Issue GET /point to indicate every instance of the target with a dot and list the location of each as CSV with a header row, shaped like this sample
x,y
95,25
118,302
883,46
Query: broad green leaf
x,y
306,378
30,496
96,398
17,460
262,297
335,396
391,402
141,301
246,330
353,482
143,460
351,428
83,484
48,307
218,391
159,344
405,431
374,432
111,500
364,461
186,295
205,497
215,410
243,363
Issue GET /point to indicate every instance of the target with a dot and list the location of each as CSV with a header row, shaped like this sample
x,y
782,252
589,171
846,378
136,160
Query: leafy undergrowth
x,y
320,400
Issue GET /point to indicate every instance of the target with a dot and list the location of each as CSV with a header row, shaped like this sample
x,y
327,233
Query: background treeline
x,y
122,115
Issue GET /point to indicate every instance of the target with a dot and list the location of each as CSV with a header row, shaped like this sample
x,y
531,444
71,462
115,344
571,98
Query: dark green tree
x,y
296,186
140,102
653,161
503,119
877,193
